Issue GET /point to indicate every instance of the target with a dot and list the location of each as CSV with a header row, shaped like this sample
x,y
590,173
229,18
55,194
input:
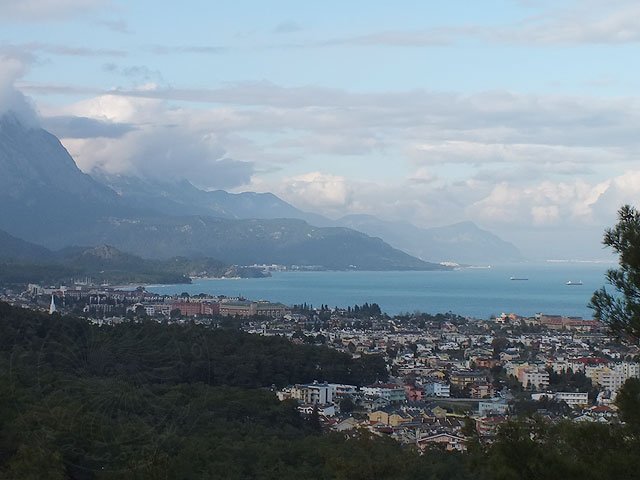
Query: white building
x,y
339,390
573,399
392,393
313,393
606,378
437,389
533,377
627,369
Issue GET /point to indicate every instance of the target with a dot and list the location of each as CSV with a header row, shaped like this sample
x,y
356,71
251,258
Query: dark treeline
x,y
147,400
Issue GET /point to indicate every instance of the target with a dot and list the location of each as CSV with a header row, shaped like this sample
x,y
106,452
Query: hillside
x,y
23,262
245,242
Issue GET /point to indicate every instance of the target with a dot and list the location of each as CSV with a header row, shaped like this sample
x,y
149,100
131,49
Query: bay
x,y
474,292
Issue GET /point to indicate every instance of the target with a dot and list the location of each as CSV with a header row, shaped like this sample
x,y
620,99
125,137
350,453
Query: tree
x,y
346,405
314,419
621,312
628,401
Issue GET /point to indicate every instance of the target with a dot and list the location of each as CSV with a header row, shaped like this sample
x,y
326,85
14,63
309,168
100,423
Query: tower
x,y
52,307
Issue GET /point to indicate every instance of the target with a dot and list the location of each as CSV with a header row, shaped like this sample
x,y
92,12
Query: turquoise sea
x,y
475,292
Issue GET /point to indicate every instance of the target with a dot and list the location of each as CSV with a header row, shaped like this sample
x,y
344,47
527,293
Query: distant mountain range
x,y
47,200
462,242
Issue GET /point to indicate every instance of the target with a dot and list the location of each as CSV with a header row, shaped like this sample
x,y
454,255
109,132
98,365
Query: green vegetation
x,y
621,312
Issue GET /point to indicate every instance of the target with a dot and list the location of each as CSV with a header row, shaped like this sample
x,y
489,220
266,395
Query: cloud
x,y
506,160
317,190
588,22
288,26
195,49
148,138
83,127
45,10
582,22
432,37
465,152
76,51
12,67
135,72
119,25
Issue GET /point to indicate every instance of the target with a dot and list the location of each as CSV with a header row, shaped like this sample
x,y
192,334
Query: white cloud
x,y
318,190
13,67
159,141
42,10
497,157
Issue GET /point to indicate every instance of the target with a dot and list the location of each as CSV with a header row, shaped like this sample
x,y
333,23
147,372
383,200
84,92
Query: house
x,y
389,391
447,441
371,403
437,389
346,425
313,393
413,393
462,379
482,390
392,418
326,410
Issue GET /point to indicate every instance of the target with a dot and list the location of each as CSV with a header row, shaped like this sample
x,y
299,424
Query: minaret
x,y
52,307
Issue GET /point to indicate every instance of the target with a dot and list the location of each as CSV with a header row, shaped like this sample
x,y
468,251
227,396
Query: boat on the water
x,y
571,282
518,278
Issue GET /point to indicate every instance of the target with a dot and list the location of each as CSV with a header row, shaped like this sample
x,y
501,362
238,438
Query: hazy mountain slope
x,y
16,249
284,241
461,242
41,188
48,200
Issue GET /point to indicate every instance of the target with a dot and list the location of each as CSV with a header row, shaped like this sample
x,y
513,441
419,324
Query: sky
x,y
520,115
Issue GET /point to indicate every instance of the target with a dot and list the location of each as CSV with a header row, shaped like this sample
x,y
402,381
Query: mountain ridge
x,y
55,204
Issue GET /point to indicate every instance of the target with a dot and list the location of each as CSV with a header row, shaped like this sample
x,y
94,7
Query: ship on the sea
x,y
518,278
571,282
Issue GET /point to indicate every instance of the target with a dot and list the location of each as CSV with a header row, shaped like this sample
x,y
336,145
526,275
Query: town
x,y
450,378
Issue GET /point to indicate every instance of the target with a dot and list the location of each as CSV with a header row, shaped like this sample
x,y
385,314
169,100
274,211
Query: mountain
x,y
180,197
244,242
22,262
46,199
18,250
462,242
40,184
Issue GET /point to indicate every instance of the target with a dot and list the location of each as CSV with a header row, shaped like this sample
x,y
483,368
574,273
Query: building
x,y
482,390
389,391
607,378
313,393
437,389
243,308
532,377
339,390
573,399
196,308
493,407
391,418
463,379
449,441
326,410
